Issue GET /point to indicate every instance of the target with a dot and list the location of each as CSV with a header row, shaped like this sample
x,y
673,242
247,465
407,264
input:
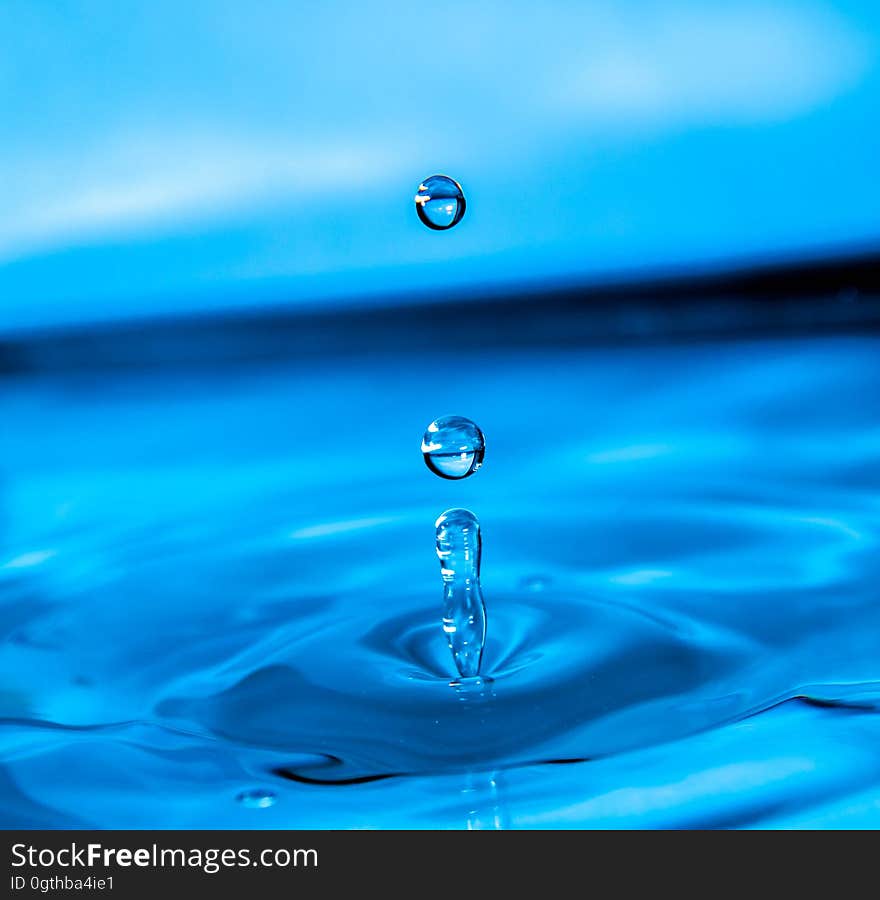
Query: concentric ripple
x,y
208,626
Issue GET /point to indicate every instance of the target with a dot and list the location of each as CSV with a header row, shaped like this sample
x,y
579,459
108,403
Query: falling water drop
x,y
257,799
440,202
464,612
453,447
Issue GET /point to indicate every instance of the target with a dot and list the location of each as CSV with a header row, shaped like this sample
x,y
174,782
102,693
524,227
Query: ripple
x,y
679,638
569,673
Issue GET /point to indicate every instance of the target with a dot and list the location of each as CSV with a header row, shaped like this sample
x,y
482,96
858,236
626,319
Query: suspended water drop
x,y
453,447
440,202
257,799
464,612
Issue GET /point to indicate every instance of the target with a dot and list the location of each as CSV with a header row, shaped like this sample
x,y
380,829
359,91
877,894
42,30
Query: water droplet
x,y
257,799
440,202
453,447
464,612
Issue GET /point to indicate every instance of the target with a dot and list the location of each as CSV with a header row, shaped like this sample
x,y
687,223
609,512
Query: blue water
x,y
221,586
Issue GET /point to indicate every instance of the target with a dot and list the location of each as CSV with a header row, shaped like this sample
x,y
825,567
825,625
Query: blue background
x,y
164,157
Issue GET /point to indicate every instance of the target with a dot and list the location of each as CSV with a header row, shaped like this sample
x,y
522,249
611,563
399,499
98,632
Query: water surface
x,y
220,584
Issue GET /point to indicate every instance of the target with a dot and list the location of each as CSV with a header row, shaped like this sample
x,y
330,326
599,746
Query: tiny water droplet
x,y
535,583
440,202
257,799
464,612
453,447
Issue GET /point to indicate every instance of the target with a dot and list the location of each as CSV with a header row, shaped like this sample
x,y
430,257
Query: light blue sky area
x,y
176,157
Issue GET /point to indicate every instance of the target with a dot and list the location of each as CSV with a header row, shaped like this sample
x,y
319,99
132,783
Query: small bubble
x,y
453,447
440,202
257,799
535,583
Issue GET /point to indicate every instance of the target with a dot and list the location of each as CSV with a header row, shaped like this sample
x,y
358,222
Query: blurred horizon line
x,y
839,292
